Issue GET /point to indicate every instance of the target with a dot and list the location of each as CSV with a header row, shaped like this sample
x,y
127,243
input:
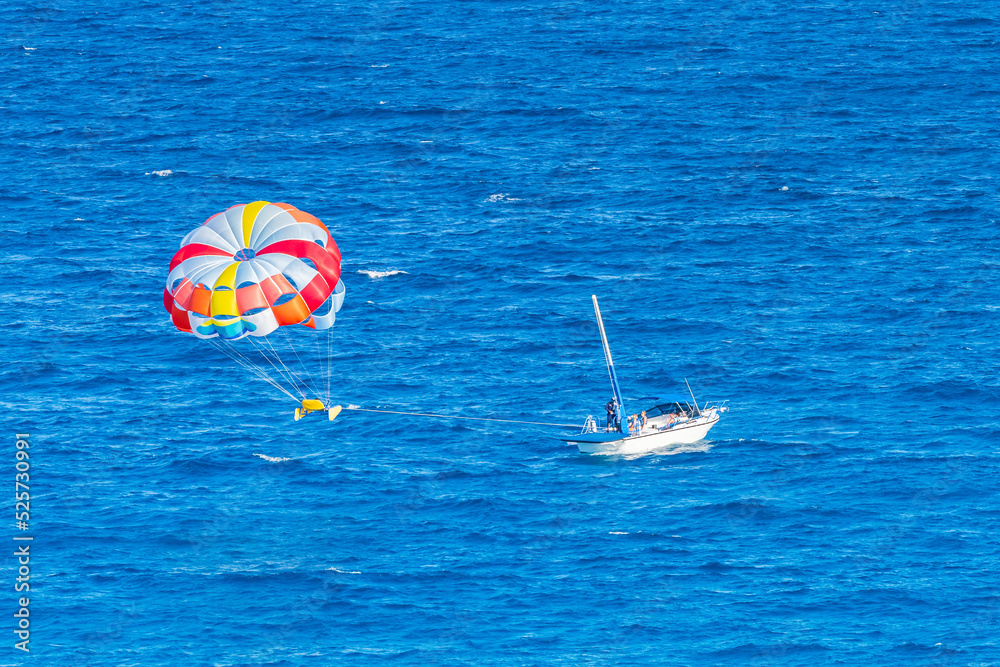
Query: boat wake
x,y
668,450
671,450
693,448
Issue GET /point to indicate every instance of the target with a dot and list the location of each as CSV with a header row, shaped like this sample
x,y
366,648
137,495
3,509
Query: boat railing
x,y
720,406
589,426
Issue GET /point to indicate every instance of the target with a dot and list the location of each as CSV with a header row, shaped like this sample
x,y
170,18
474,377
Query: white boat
x,y
671,420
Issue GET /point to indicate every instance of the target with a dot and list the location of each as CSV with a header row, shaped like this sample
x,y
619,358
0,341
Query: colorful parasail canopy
x,y
252,269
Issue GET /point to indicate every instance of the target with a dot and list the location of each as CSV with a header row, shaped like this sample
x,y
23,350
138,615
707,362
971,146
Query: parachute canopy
x,y
253,268
245,276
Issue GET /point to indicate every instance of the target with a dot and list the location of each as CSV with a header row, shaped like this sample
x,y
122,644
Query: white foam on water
x,y
380,274
380,66
30,48
333,569
272,459
617,532
351,406
161,173
667,450
501,196
694,447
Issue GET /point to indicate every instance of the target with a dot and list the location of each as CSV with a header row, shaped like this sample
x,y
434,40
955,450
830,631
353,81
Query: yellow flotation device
x,y
315,405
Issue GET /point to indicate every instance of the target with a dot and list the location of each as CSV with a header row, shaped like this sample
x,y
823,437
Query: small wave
x,y
617,532
381,66
272,459
380,274
501,196
161,173
30,48
334,569
351,406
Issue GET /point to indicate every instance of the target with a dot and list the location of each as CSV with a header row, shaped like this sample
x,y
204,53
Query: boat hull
x,y
607,443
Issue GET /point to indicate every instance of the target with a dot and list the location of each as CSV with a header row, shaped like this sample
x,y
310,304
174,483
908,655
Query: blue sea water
x,y
794,207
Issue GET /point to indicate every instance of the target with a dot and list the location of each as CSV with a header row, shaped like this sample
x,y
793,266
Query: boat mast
x,y
620,404
692,396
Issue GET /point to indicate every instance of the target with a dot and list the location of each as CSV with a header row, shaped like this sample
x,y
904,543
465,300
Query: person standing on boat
x,y
612,415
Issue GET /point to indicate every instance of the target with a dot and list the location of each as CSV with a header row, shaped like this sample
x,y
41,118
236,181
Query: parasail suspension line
x,y
329,361
280,373
249,365
286,374
288,340
304,386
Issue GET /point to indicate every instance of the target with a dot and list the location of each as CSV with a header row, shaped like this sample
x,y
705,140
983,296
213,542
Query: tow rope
x,y
480,419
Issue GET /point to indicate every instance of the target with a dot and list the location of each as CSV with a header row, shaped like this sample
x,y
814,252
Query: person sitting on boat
x,y
633,424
